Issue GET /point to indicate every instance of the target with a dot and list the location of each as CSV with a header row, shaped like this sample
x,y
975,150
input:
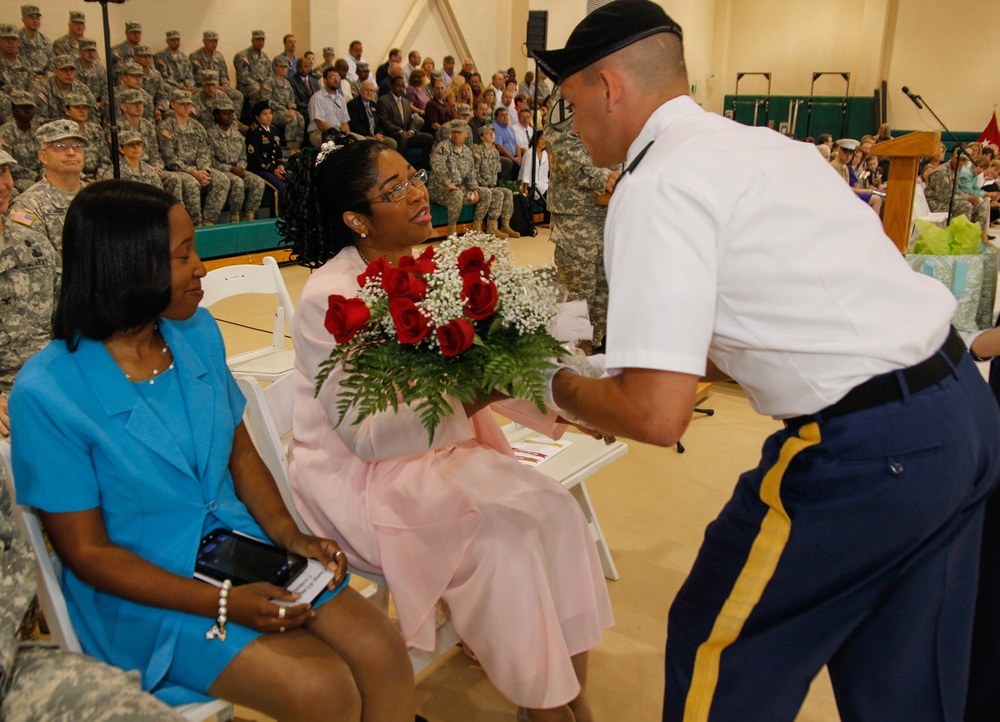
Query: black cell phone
x,y
224,554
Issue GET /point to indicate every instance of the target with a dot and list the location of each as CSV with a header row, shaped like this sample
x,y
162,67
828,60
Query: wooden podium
x,y
904,154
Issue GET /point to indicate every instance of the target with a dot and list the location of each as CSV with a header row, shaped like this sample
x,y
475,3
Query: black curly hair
x,y
316,197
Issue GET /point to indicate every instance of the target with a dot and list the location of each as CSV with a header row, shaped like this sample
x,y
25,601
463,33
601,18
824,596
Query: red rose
x,y
399,283
472,261
411,325
480,297
345,317
455,337
375,269
422,264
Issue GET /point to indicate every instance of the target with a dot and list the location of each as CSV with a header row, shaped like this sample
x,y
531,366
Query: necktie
x,y
371,119
309,87
399,104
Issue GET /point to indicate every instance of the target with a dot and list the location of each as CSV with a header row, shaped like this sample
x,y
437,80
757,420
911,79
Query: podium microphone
x,y
914,97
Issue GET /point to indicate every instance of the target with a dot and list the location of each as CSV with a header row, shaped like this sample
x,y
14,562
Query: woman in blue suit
x,y
128,437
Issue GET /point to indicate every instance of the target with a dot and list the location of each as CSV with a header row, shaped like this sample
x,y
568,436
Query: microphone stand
x,y
958,144
112,109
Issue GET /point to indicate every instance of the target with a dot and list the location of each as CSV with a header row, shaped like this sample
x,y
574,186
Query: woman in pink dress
x,y
462,521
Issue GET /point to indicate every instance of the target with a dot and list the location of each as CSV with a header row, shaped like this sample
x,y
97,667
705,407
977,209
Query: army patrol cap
x,y
458,126
142,50
463,109
75,100
362,66
132,68
28,10
21,97
171,34
8,31
329,51
58,130
257,34
132,95
281,60
62,62
222,102
209,76
87,44
6,158
486,128
132,27
180,96
209,35
75,16
129,136
606,30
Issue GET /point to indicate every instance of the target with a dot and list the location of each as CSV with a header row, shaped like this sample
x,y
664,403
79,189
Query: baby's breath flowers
x,y
456,322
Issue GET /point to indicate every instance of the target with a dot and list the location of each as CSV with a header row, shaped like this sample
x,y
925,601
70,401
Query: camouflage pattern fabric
x,y
254,77
146,174
121,53
229,150
578,222
282,101
24,148
187,149
217,62
938,193
455,165
50,100
43,208
29,282
95,77
37,53
175,68
487,171
202,111
15,75
96,154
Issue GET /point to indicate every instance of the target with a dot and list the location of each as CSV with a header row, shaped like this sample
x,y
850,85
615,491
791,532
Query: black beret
x,y
606,30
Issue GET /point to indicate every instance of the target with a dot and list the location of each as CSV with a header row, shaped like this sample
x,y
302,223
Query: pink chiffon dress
x,y
504,546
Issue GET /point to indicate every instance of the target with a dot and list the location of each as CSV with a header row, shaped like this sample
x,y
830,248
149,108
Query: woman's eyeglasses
x,y
399,192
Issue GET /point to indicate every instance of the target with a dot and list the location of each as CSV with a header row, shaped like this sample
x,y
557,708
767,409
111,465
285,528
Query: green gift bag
x,y
971,278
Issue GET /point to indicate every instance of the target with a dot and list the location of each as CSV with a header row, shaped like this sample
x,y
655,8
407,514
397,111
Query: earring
x,y
364,235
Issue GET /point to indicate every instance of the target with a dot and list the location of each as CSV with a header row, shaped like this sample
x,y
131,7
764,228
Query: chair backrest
x,y
244,279
50,594
269,419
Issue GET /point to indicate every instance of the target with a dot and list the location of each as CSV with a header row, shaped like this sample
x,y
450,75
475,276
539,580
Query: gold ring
x,y
281,612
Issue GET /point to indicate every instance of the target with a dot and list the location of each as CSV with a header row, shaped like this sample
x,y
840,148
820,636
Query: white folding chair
x,y
269,362
268,416
53,603
571,467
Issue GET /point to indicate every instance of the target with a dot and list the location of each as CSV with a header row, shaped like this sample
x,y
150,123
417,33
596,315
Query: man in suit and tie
x,y
398,122
303,85
364,116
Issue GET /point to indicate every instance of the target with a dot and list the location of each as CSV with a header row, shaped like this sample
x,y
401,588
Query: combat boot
x,y
491,228
248,215
505,227
234,217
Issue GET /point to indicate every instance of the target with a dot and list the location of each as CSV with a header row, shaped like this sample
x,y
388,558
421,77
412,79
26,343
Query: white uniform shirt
x,y
352,67
541,164
743,246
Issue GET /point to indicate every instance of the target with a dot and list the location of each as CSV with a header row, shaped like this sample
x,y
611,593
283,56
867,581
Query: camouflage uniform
x,y
37,53
29,283
97,153
203,106
41,682
67,45
50,100
454,165
938,194
217,62
487,171
121,53
158,89
95,77
15,75
44,207
187,149
253,75
24,147
229,149
146,174
148,105
283,100
175,68
578,222
181,186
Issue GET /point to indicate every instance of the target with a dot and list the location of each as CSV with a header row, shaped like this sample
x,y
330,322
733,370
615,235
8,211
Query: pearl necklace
x,y
156,371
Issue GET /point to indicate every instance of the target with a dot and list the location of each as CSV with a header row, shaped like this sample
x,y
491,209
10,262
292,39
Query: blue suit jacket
x,y
84,439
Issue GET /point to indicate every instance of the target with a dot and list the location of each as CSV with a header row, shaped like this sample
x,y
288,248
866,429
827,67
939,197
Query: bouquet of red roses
x,y
458,322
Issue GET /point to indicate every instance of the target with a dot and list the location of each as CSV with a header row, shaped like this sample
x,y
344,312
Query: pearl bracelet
x,y
218,630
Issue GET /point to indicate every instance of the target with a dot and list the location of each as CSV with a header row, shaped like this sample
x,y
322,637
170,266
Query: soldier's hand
x,y
609,187
4,417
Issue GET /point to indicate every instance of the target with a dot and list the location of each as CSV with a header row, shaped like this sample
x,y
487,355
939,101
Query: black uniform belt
x,y
886,387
